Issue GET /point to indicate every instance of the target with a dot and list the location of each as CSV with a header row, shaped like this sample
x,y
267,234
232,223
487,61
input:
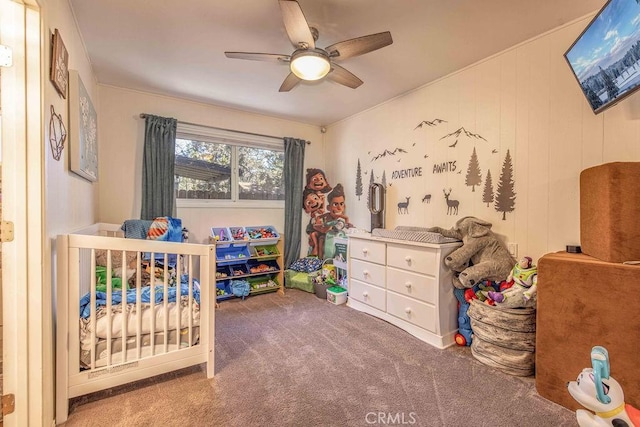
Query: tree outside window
x,y
219,171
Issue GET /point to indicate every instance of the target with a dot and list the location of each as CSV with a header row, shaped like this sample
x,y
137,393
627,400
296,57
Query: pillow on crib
x,y
165,228
307,265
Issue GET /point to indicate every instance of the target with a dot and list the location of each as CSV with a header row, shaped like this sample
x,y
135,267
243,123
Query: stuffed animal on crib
x,y
522,293
597,391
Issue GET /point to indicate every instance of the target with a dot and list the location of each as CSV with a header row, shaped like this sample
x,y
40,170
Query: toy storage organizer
x,y
253,254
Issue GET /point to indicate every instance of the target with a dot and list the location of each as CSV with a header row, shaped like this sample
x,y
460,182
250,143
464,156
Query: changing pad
x,y
414,234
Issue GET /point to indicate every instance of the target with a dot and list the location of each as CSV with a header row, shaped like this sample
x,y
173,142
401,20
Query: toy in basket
x,y
325,279
597,391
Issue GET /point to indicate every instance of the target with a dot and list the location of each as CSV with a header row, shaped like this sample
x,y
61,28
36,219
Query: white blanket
x,y
102,322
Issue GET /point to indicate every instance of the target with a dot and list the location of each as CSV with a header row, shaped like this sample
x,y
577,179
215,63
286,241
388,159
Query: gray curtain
x,y
293,183
158,165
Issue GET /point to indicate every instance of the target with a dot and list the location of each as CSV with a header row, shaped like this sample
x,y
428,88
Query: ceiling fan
x,y
309,62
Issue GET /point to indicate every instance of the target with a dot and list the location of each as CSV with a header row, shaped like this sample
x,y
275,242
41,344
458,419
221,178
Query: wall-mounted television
x,y
605,59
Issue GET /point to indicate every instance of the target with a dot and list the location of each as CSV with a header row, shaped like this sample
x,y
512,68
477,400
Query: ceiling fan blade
x,y
344,77
289,83
296,25
269,57
359,45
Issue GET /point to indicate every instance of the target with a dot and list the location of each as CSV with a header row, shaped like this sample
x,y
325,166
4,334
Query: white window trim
x,y
221,136
229,204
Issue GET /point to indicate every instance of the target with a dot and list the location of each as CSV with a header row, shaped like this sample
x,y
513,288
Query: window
x,y
226,167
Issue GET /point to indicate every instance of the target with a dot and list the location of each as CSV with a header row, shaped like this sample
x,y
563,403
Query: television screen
x,y
606,57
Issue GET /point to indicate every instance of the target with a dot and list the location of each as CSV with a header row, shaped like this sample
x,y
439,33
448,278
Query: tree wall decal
x,y
384,179
358,181
474,176
487,195
505,194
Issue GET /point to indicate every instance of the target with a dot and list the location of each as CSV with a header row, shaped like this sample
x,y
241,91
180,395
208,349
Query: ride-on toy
x,y
597,391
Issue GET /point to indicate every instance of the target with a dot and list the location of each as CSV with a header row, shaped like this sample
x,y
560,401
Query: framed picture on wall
x,y
83,130
59,64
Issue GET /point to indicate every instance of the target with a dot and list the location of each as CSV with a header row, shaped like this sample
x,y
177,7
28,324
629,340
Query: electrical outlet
x,y
513,249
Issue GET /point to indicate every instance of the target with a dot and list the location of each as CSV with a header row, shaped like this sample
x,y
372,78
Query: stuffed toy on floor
x,y
483,256
522,292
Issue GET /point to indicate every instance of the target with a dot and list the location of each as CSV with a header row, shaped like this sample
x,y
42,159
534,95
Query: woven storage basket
x,y
504,338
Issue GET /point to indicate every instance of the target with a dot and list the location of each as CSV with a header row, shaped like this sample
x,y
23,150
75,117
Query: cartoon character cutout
x,y
336,218
317,181
332,223
313,203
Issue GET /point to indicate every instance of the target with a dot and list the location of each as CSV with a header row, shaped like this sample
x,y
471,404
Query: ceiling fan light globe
x,y
310,65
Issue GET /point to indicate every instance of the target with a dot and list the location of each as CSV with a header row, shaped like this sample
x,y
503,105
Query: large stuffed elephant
x,y
483,256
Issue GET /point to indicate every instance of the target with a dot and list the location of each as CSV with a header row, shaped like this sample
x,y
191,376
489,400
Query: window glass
x,y
260,174
210,170
203,170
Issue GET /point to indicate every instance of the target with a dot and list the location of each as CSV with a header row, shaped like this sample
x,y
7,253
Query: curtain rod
x,y
144,115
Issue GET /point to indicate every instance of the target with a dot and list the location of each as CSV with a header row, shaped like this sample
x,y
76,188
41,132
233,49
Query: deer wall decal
x,y
452,205
403,207
426,198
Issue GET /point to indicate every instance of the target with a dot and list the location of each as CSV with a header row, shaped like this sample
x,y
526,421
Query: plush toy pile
x,y
497,297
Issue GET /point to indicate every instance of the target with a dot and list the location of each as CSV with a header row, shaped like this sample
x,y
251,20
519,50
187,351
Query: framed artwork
x,y
59,65
83,130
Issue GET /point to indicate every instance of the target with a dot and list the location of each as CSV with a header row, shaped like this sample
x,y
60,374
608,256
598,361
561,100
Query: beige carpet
x,y
300,361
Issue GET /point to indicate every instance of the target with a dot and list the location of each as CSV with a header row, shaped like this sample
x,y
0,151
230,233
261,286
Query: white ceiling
x,y
176,47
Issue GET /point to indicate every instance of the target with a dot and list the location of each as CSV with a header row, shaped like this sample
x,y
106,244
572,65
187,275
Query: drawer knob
x,y
365,294
365,273
408,285
365,251
407,258
407,310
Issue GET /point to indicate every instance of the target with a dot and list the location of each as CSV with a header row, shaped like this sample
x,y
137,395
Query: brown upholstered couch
x,y
583,302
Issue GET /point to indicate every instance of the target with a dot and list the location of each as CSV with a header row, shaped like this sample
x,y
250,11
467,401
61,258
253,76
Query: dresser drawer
x,y
367,272
411,310
420,260
367,294
413,285
367,250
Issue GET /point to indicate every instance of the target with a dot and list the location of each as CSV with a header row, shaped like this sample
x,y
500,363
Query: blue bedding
x,y
163,228
145,296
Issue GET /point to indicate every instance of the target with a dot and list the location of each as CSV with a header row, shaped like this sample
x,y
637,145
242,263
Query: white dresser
x,y
406,284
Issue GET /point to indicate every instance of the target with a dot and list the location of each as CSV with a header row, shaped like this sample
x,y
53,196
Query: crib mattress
x,y
174,342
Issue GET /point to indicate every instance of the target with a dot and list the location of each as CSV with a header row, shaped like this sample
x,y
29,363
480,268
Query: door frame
x,y
24,371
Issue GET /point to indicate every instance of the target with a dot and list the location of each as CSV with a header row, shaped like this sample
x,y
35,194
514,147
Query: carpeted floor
x,y
300,361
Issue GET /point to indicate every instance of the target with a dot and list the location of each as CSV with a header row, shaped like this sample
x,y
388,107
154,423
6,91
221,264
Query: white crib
x,y
166,328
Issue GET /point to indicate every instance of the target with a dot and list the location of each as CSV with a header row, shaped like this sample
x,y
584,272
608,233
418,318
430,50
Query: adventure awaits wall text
x,y
457,160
